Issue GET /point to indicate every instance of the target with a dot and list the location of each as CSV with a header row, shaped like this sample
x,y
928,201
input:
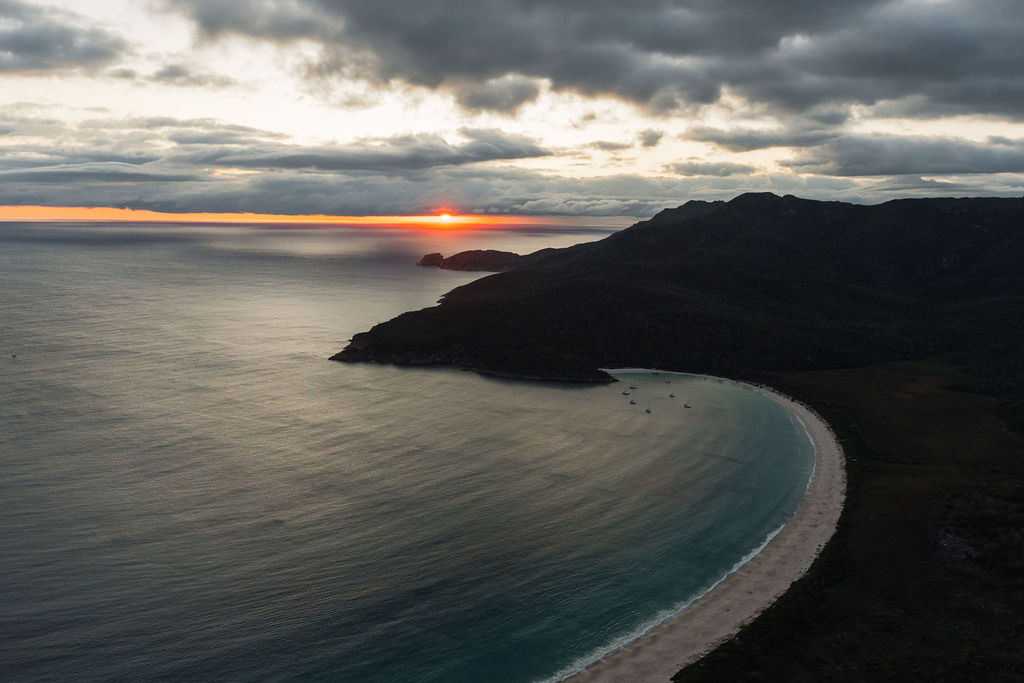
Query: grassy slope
x,y
925,578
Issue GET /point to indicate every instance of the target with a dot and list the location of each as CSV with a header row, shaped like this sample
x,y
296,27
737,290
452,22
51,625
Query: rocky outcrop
x,y
434,260
485,260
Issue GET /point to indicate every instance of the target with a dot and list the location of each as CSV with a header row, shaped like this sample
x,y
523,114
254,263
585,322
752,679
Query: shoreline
x,y
754,585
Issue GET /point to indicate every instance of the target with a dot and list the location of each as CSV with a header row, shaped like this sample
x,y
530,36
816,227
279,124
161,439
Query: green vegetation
x,y
924,579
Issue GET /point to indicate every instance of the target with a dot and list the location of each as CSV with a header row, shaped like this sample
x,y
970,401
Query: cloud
x,y
720,169
399,154
918,186
36,39
746,140
174,74
123,73
213,137
660,54
133,166
506,94
184,165
211,144
508,192
94,172
169,124
182,75
920,56
650,137
42,142
274,19
475,189
876,155
611,146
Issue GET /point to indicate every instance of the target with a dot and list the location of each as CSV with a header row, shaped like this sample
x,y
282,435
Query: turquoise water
x,y
189,490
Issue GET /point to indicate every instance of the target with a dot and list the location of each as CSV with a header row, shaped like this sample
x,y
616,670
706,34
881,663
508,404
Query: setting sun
x,y
445,219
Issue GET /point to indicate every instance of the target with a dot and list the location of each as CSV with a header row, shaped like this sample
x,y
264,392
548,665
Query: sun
x,y
445,216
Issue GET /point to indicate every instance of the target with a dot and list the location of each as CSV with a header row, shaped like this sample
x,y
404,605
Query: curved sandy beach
x,y
745,593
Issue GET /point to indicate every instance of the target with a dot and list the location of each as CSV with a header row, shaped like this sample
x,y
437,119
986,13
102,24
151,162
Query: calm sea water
x,y
190,490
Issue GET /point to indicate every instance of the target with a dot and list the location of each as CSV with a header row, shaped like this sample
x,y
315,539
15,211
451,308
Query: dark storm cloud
x,y
710,168
746,140
944,57
505,94
35,39
875,155
398,154
274,19
662,54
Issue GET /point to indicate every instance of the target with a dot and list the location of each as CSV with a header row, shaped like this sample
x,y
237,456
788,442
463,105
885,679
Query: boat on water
x,y
686,405
632,402
625,393
671,395
648,407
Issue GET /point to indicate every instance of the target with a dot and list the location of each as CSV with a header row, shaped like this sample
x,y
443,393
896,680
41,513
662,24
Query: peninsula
x,y
758,284
901,323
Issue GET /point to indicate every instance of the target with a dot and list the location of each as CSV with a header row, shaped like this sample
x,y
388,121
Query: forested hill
x,y
758,284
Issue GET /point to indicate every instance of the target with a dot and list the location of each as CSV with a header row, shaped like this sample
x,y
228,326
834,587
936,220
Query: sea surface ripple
x,y
189,490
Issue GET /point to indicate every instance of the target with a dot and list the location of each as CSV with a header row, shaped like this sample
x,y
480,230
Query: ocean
x,y
190,490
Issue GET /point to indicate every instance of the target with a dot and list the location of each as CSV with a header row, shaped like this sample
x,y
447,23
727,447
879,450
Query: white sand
x,y
743,595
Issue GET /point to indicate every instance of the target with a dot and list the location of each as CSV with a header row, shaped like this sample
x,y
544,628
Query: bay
x,y
190,490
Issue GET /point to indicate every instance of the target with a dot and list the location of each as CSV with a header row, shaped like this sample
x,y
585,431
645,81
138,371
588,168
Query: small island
x,y
483,260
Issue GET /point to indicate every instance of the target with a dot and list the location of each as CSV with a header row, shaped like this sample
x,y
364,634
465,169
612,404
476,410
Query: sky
x,y
504,107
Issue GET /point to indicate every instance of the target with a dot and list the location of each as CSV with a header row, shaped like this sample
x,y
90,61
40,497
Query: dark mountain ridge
x,y
758,284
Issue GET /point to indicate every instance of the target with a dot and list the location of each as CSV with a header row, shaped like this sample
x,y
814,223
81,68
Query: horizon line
x,y
443,218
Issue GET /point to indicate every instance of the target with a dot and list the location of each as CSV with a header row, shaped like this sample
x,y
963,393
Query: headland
x,y
899,322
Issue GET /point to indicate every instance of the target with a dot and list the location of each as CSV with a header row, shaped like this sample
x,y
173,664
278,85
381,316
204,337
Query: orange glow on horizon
x,y
443,220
